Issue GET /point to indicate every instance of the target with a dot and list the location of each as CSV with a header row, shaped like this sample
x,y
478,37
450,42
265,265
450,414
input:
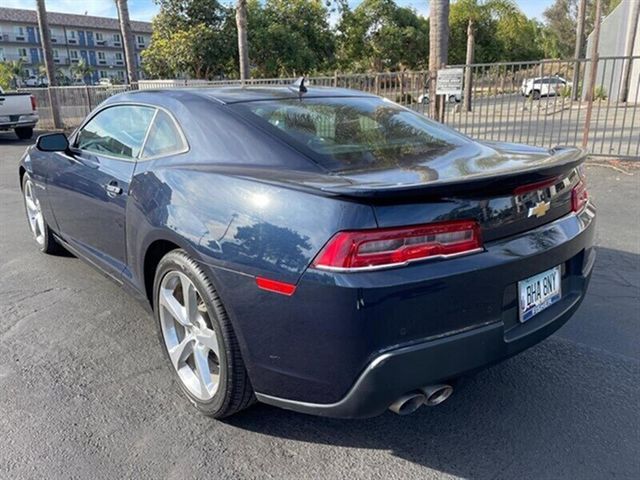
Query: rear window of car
x,y
349,133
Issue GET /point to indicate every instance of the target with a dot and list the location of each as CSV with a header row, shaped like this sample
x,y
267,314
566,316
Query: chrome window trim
x,y
185,149
137,158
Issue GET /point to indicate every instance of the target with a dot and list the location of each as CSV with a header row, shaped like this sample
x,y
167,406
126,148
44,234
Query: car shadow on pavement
x,y
562,409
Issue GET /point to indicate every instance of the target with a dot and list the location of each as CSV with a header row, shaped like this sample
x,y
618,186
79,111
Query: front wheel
x,y
198,338
37,224
536,94
24,133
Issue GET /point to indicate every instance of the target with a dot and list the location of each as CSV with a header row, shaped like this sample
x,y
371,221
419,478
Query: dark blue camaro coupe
x,y
322,250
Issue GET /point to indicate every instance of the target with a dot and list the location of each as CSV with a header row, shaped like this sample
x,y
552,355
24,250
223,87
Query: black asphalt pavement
x,y
85,391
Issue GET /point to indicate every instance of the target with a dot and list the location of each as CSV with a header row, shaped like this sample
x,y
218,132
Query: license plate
x,y
539,292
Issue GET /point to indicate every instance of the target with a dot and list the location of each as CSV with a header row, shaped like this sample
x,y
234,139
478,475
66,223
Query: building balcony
x,y
13,38
58,40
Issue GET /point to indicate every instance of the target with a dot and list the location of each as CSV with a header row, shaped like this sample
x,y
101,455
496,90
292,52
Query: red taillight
x,y
579,196
532,187
33,103
390,247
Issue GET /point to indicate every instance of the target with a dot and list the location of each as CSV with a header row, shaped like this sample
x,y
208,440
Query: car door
x,y
88,188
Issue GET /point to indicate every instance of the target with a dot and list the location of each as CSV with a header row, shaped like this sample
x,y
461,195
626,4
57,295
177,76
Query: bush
x,y
600,93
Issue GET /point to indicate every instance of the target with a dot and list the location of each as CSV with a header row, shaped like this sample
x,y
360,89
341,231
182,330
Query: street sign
x,y
449,81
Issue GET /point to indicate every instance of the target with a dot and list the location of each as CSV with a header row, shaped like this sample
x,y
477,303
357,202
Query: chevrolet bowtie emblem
x,y
539,210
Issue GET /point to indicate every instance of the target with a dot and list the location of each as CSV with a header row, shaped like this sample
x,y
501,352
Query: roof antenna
x,y
299,86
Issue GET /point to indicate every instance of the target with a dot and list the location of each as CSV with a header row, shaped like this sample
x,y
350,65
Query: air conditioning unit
x,y
54,40
19,38
75,60
56,60
119,62
117,44
102,62
99,42
72,40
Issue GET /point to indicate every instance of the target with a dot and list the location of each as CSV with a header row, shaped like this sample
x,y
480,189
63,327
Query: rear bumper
x,y
29,120
406,369
475,310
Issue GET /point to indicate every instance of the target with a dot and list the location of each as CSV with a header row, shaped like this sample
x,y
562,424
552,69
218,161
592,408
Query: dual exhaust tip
x,y
430,396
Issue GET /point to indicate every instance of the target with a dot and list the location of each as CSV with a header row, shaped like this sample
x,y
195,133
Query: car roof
x,y
229,95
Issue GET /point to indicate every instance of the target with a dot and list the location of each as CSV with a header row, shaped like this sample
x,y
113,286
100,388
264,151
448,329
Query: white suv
x,y
543,86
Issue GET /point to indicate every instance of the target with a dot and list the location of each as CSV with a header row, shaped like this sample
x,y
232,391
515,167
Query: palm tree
x,y
127,40
476,9
243,45
82,70
16,67
438,45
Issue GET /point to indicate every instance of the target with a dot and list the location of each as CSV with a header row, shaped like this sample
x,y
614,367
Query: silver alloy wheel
x,y
192,343
34,212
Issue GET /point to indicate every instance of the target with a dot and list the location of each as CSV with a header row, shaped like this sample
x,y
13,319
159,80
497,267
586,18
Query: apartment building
x,y
96,40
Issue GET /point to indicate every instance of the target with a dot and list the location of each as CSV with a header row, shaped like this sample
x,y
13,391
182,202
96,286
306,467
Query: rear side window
x,y
164,138
353,132
116,131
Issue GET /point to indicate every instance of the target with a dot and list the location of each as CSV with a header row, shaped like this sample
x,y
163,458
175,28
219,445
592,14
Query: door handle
x,y
113,189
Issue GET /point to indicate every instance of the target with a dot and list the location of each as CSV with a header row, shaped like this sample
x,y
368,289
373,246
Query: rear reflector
x,y
579,196
274,286
392,247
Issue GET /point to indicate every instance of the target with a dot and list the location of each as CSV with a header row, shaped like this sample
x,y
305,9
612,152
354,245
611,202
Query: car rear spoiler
x,y
561,161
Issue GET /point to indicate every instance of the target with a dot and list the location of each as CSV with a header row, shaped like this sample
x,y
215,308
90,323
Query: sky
x,y
145,9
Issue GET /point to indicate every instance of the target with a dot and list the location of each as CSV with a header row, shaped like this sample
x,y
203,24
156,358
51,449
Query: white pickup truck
x,y
18,112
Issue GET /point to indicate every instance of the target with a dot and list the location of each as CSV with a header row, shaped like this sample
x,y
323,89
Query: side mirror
x,y
52,142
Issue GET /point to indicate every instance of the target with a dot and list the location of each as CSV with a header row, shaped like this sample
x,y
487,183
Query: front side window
x,y
355,132
116,131
164,137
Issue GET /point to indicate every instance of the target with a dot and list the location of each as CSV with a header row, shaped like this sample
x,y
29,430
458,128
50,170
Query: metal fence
x,y
499,109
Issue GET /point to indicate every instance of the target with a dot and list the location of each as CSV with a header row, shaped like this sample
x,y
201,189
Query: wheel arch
x,y
153,254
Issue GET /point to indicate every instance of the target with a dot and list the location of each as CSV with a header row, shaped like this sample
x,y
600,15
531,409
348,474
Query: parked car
x,y
322,250
18,112
543,86
105,82
36,81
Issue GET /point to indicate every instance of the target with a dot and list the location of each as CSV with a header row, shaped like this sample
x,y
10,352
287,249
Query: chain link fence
x,y
540,103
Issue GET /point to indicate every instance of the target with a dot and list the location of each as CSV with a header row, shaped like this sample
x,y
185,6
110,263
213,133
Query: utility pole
x,y
593,72
582,10
631,41
127,40
45,41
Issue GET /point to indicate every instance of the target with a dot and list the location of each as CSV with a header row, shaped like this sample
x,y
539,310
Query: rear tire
x,y
24,133
202,348
536,94
37,223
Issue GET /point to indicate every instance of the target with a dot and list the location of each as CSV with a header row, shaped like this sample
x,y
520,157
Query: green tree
x,y
561,24
6,76
81,70
379,35
191,38
289,37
